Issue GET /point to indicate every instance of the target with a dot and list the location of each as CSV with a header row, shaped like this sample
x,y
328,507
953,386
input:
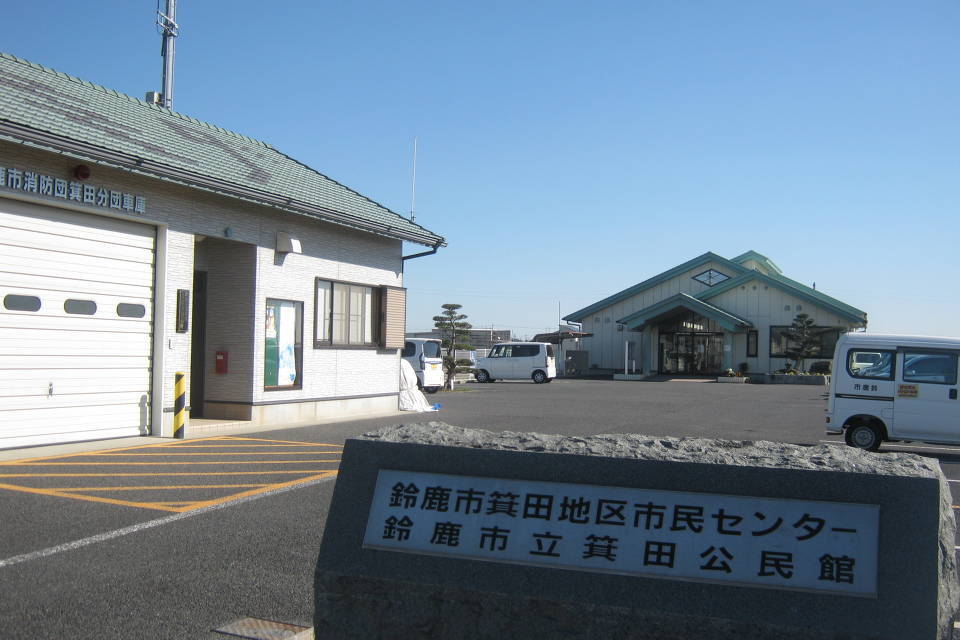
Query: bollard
x,y
179,403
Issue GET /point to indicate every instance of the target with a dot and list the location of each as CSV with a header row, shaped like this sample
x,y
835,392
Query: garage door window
x,y
283,345
13,302
127,310
80,307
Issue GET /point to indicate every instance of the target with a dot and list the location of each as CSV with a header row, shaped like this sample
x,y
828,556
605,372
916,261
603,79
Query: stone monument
x,y
437,531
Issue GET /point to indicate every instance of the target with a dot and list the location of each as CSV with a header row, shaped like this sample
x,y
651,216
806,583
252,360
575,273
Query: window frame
x,y
753,340
904,352
819,355
297,347
326,316
848,357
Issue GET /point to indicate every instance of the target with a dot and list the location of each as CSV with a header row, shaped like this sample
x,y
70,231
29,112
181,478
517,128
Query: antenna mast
x,y
413,198
167,22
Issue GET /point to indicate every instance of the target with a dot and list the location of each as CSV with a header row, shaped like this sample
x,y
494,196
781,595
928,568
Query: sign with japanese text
x,y
14,179
908,391
779,543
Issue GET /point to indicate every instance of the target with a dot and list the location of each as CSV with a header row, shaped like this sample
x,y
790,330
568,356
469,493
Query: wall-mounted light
x,y
228,232
287,243
81,172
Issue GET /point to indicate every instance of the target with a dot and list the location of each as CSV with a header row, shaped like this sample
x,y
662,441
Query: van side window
x,y
497,352
936,368
873,365
431,349
409,349
525,350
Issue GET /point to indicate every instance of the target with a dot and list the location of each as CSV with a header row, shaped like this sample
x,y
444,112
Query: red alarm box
x,y
222,358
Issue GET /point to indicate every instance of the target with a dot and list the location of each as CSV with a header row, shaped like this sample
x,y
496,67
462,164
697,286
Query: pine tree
x,y
455,334
803,340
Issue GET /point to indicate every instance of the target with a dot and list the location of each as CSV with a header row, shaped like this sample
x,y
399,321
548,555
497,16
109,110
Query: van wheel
x,y
539,377
483,376
863,436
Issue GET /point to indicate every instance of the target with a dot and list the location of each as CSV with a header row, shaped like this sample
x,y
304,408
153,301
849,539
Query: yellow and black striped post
x,y
179,403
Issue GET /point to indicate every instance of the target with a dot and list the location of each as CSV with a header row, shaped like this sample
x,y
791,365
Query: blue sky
x,y
568,150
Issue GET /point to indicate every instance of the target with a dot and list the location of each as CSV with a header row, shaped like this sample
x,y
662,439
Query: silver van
x,y
518,361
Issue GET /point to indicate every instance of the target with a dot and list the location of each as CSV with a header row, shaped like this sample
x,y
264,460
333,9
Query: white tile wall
x,y
237,296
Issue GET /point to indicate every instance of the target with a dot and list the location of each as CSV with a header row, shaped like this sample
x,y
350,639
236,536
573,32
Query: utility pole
x,y
413,197
167,22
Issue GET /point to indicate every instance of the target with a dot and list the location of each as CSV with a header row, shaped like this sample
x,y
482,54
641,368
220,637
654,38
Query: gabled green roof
x,y
670,305
743,275
578,316
759,257
792,287
57,112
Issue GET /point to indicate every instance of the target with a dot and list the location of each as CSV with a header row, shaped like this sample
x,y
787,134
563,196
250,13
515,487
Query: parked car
x,y
425,357
908,394
518,361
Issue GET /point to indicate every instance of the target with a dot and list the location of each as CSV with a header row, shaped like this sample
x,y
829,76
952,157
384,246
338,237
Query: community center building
x,y
708,315
137,242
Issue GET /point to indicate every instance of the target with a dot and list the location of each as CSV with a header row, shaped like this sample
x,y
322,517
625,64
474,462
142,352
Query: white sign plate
x,y
778,543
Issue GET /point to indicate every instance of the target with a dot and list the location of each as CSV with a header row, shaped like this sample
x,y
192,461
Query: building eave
x,y
20,134
678,301
579,316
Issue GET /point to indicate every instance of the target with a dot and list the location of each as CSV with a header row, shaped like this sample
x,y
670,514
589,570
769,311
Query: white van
x,y
425,357
894,388
518,361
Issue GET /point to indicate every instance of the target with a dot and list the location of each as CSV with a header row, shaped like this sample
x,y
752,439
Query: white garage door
x,y
76,309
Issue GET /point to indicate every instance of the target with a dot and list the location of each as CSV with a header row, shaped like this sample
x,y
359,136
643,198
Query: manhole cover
x,y
257,629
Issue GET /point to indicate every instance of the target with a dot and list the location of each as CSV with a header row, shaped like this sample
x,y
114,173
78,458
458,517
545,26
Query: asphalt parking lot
x,y
109,543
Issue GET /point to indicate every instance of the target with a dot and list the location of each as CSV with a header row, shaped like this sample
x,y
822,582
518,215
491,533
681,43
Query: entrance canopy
x,y
679,302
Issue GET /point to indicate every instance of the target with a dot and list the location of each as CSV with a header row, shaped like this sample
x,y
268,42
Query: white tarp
x,y
411,399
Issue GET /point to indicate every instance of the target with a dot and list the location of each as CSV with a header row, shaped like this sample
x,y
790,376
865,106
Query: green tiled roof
x,y
579,316
742,275
724,318
762,259
52,110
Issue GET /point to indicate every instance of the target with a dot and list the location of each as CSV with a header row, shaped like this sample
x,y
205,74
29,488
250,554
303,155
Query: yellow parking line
x,y
164,506
169,473
132,464
33,468
221,453
85,453
325,444
239,446
244,494
61,494
163,487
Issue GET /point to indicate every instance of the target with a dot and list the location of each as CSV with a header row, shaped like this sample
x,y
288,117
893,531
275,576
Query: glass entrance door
x,y
691,353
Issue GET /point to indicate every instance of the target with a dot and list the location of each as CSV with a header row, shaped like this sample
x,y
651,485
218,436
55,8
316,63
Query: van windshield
x,y
431,349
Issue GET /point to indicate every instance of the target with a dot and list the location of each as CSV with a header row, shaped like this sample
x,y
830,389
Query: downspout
x,y
425,253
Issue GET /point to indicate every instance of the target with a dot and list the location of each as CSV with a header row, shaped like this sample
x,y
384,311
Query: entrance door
x,y
709,353
691,353
198,344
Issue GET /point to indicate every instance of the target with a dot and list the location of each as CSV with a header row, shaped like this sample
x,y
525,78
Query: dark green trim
x,y
725,319
759,257
579,316
793,288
